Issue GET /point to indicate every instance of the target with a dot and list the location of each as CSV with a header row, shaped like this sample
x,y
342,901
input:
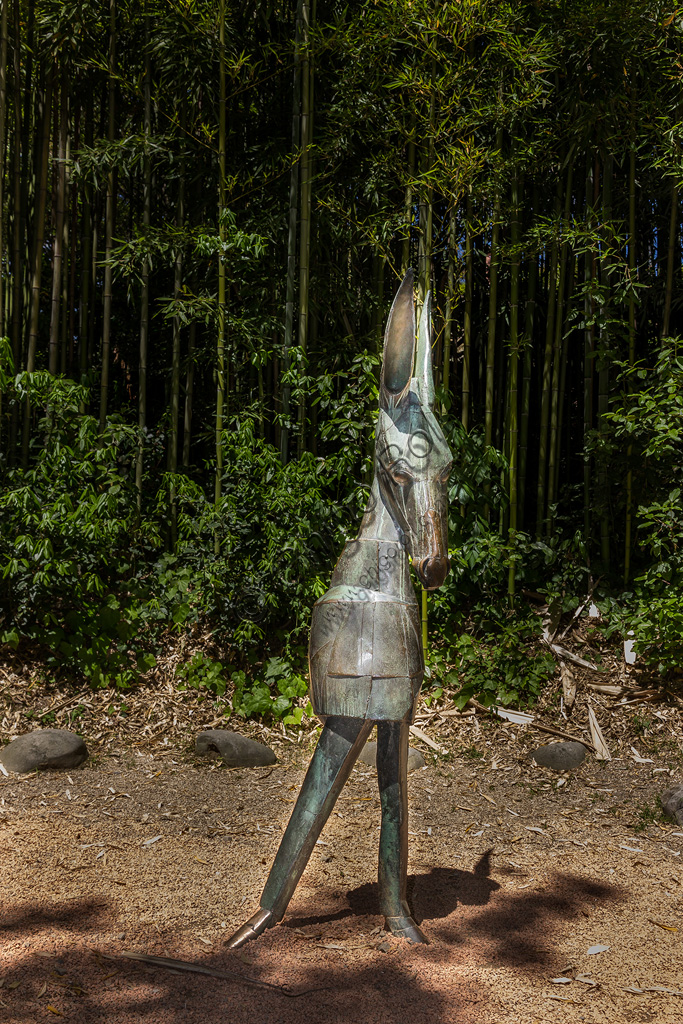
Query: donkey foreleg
x,y
392,775
340,743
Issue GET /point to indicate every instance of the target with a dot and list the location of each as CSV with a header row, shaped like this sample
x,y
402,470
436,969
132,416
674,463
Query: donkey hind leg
x,y
392,773
340,743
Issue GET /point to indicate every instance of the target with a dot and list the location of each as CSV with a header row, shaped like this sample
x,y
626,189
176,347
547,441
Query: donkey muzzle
x,y
432,571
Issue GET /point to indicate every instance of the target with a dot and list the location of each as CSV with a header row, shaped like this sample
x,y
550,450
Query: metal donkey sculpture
x,y
365,653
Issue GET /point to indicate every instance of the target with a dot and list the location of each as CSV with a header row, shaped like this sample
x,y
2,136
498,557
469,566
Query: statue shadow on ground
x,y
435,894
512,926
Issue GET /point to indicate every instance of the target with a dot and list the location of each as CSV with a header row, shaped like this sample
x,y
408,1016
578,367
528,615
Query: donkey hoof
x,y
405,928
252,929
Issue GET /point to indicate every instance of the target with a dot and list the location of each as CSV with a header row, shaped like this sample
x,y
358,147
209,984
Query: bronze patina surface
x,y
365,651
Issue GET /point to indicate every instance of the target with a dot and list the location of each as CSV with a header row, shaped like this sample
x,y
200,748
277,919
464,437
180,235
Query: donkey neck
x,y
377,560
377,522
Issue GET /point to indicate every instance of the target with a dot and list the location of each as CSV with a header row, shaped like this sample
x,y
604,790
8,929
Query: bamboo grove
x,y
206,208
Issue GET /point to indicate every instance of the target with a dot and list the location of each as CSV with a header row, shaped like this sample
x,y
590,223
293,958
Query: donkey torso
x,y
365,650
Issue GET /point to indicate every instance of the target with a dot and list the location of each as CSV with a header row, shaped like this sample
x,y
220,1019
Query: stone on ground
x,y
44,748
560,756
672,803
368,755
237,751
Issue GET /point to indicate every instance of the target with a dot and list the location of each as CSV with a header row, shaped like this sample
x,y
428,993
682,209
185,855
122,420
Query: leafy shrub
x,y
72,540
202,672
279,531
499,664
648,422
275,694
84,571
256,698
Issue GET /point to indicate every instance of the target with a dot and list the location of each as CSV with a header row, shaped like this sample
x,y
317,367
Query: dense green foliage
x,y
205,210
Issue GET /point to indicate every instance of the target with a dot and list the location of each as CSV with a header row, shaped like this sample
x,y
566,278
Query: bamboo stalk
x,y
108,222
175,351
450,302
58,244
220,341
513,379
425,625
408,202
422,247
467,325
144,293
18,218
86,258
427,210
529,312
189,394
553,445
69,261
3,134
493,301
291,235
554,481
37,258
631,349
671,247
306,196
603,366
30,156
546,385
588,352
94,263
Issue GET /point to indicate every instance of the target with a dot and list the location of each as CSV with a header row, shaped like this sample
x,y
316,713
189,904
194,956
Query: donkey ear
x,y
399,346
423,359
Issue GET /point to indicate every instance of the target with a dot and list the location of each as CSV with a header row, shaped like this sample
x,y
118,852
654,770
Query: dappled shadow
x,y
80,915
91,986
495,926
518,926
513,928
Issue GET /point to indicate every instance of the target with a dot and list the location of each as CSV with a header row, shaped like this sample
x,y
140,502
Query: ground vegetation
x,y
205,210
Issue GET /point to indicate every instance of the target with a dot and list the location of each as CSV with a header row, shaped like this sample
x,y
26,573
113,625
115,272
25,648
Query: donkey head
x,y
412,459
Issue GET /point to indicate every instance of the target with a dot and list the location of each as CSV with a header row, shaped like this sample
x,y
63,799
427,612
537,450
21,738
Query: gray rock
x,y
44,748
237,751
368,755
672,803
560,756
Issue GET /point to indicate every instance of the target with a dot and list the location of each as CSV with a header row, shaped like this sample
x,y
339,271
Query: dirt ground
x,y
516,872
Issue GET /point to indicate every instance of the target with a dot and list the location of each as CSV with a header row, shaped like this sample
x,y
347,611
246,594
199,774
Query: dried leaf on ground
x,y
426,739
568,685
516,717
562,652
601,748
640,760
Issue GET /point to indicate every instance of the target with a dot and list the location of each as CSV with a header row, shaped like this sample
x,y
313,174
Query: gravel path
x,y
514,879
